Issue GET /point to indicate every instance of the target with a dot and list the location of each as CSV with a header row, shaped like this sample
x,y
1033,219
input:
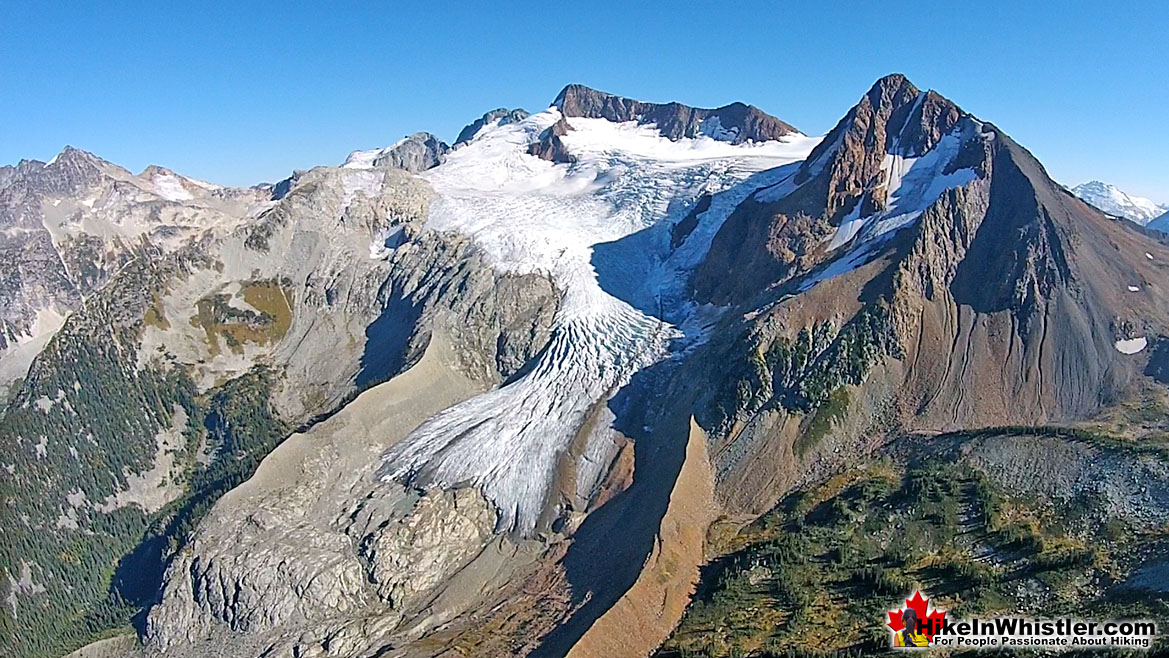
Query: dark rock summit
x,y
503,115
735,123
999,298
549,146
773,237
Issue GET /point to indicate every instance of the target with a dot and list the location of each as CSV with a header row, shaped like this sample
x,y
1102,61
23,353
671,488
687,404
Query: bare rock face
x,y
735,123
314,553
845,178
294,581
549,146
415,554
418,152
503,115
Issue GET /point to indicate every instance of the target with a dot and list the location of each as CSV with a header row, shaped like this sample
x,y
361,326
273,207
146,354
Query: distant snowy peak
x,y
418,152
174,187
1114,201
735,123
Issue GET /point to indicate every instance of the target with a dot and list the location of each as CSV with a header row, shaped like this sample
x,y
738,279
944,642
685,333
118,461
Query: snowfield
x,y
532,216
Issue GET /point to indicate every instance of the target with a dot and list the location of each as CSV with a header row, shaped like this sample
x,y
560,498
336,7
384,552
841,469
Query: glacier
x,y
529,215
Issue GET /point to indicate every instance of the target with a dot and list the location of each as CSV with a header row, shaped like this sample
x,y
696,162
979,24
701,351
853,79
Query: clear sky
x,y
239,92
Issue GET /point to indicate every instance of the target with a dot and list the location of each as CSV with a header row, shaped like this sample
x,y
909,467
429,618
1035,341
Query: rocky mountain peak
x,y
735,123
72,156
414,153
502,114
894,119
156,170
893,116
71,171
885,162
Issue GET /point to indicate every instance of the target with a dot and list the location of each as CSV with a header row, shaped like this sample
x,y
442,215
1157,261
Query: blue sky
x,y
238,93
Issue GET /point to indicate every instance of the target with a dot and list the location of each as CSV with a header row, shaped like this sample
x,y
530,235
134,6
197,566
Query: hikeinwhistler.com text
x,y
1022,632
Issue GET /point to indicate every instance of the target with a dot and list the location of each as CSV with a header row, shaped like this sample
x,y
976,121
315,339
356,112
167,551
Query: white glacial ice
x,y
171,188
533,216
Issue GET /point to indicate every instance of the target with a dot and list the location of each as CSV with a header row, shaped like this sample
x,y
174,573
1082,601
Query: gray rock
x,y
735,123
418,152
504,115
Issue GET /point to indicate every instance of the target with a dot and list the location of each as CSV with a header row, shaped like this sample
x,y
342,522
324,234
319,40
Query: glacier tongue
x,y
530,215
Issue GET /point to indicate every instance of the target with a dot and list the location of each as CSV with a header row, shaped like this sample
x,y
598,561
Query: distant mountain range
x,y
605,380
1114,201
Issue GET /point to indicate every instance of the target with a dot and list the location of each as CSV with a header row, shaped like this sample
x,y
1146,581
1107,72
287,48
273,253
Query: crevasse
x,y
530,215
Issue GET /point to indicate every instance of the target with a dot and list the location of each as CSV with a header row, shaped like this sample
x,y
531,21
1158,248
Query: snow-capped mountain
x,y
1115,201
530,382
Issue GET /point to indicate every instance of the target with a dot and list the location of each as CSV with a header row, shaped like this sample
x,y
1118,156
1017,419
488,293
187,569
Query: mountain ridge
x,y
461,398
735,123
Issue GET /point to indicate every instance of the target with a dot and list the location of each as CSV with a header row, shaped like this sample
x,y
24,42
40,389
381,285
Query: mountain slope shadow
x,y
648,269
614,542
387,338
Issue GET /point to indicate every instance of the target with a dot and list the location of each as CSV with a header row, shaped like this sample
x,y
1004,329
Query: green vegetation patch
x,y
801,374
267,324
817,574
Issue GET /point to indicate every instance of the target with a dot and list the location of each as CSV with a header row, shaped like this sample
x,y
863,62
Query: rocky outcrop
x,y
503,115
735,123
549,146
418,152
417,553
415,153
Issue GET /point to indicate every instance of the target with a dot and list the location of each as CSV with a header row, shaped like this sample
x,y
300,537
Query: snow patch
x,y
1131,345
365,159
713,128
367,182
169,187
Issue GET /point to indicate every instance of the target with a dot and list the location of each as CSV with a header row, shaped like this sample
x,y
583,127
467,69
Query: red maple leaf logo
x,y
931,621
